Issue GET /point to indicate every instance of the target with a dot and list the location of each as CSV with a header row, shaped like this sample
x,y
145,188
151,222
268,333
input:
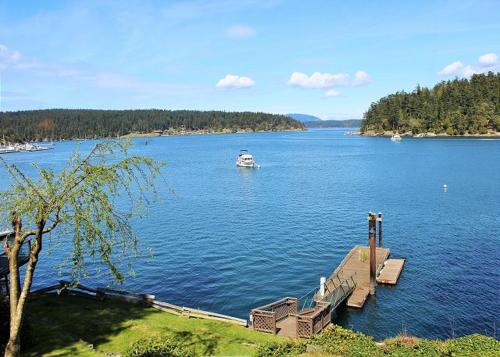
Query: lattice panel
x,y
304,328
263,323
282,311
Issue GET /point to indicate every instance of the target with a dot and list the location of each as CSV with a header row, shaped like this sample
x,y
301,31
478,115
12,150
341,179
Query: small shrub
x,y
340,341
473,345
158,346
279,349
411,346
363,255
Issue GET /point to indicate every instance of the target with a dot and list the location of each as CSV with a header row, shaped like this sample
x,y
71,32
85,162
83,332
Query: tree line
x,y
454,107
57,124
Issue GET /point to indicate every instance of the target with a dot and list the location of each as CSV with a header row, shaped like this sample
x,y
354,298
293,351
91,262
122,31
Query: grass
x,y
73,325
78,326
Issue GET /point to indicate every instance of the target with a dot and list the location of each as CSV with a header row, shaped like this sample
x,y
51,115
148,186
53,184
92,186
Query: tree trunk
x,y
13,347
16,295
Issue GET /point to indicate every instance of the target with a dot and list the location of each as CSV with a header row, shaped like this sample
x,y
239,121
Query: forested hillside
x,y
456,107
54,124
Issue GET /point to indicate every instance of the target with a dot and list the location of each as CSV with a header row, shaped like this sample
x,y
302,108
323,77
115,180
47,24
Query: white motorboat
x,y
396,138
245,159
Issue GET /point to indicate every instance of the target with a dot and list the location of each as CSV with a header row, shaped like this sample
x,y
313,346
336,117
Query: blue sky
x,y
326,58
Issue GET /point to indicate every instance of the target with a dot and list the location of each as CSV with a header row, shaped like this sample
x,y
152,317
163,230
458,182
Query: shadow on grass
x,y
58,322
205,345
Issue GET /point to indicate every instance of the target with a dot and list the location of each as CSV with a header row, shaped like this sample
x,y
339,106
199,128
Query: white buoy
x,y
445,187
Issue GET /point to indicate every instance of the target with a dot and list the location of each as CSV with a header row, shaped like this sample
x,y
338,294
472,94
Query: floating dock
x,y
391,271
358,298
352,281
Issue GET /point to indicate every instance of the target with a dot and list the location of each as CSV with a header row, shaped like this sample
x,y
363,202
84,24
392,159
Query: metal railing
x,y
337,290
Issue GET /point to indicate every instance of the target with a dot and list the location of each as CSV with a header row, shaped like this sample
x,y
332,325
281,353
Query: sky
x,y
326,58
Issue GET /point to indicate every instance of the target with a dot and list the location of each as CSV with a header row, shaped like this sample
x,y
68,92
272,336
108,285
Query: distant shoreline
x,y
430,135
203,132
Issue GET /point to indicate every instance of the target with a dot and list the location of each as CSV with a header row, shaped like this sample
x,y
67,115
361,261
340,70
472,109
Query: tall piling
x,y
372,233
379,220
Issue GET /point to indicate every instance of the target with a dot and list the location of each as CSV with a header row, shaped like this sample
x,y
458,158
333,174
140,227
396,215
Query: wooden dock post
x,y
379,220
372,233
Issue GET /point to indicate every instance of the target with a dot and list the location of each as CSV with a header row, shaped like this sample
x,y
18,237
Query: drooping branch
x,y
81,199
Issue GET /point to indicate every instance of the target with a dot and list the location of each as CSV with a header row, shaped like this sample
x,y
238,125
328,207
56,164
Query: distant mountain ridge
x,y
304,118
312,121
348,123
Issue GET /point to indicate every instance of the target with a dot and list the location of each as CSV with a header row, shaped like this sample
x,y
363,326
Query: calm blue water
x,y
228,240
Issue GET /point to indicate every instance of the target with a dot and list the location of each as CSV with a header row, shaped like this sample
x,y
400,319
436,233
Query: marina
x,y
26,147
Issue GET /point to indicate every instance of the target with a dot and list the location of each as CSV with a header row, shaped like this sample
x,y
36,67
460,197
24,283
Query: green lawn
x,y
72,325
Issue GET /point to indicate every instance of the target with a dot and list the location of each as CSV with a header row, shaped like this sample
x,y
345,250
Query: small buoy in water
x,y
445,187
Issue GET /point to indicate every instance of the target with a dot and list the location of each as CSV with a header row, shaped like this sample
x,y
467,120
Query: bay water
x,y
227,240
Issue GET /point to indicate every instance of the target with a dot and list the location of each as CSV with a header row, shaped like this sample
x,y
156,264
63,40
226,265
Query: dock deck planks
x,y
287,327
358,298
391,271
357,263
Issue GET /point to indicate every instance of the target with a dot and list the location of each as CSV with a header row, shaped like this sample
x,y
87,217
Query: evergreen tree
x,y
455,107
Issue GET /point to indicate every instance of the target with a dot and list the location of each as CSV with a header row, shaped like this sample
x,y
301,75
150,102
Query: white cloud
x,y
240,31
8,57
485,63
332,93
234,81
488,60
13,60
361,78
453,68
468,71
328,81
318,80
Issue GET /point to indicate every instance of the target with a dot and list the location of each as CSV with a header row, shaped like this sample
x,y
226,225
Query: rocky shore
x,y
490,134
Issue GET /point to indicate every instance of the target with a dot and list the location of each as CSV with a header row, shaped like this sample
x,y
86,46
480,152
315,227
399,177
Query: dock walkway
x,y
355,269
350,282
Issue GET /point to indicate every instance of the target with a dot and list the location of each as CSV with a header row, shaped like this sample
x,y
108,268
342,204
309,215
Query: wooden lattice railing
x,y
313,321
264,318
